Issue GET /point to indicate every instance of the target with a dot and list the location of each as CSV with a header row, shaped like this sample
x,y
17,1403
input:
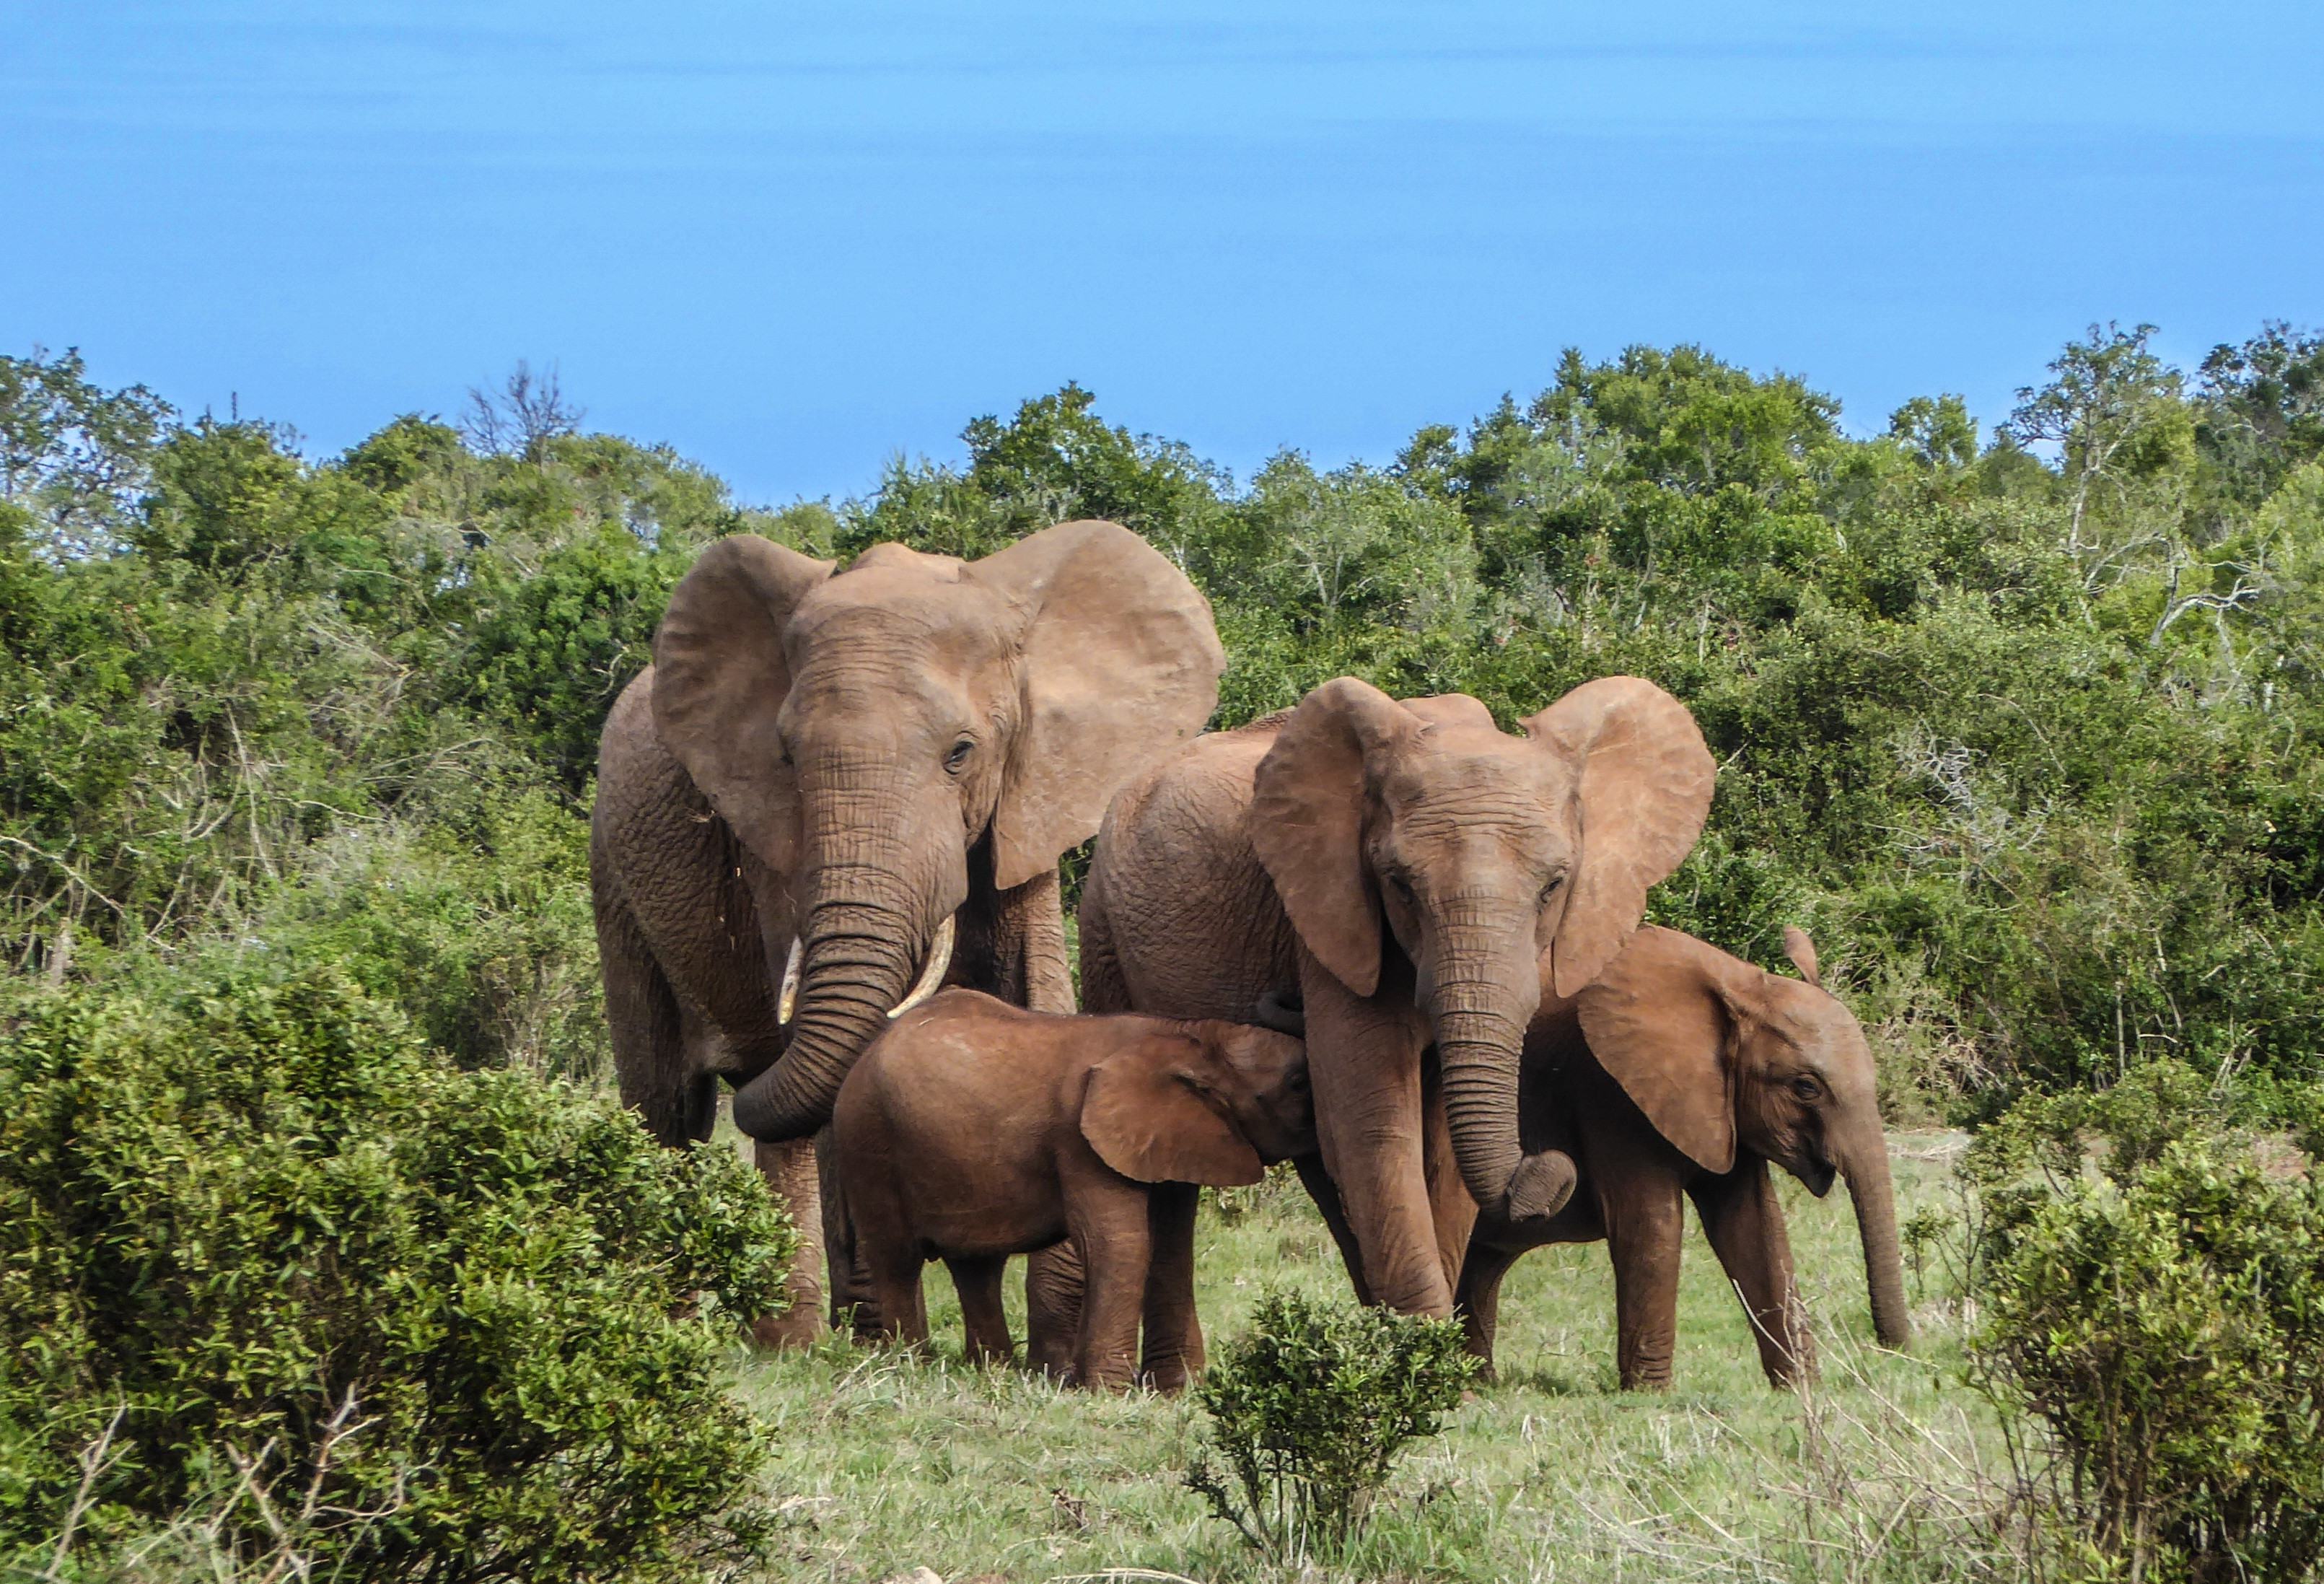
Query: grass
x,y
1886,1469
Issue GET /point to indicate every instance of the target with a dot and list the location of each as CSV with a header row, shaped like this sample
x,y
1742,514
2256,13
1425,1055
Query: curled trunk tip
x,y
853,964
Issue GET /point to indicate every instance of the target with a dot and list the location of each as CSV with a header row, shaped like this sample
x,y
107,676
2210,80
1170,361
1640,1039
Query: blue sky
x,y
793,240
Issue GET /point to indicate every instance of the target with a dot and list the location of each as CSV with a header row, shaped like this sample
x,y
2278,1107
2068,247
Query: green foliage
x,y
1310,1409
2160,1311
72,456
561,643
2263,410
2027,736
477,926
254,1238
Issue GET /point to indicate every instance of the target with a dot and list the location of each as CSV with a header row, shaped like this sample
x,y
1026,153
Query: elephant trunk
x,y
1866,1165
1480,1021
857,960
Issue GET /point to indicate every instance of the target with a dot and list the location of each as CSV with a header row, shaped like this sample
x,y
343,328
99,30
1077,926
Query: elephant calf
x,y
1681,1073
973,1130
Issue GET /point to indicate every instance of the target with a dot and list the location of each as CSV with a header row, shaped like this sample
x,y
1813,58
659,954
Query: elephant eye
x,y
959,754
1806,1087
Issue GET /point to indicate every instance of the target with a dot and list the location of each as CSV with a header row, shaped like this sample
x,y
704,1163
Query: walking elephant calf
x,y
1681,1073
973,1130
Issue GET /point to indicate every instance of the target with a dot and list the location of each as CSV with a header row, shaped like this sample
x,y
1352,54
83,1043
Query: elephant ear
x,y
1660,1020
720,678
1121,664
1802,953
1308,822
1151,1114
1643,779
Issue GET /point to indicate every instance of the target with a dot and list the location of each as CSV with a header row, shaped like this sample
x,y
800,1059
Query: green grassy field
x,y
1888,1468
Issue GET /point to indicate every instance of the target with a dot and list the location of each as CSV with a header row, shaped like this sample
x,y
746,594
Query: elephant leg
x,y
1028,947
676,1102
895,1287
1743,1222
1172,1353
854,1306
1053,1309
978,1281
887,1247
1363,1059
1326,1195
1104,987
1450,1207
1028,969
1108,1216
1477,1299
1645,1230
792,1174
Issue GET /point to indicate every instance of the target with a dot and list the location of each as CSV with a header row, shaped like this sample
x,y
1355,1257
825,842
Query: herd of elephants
x,y
1381,938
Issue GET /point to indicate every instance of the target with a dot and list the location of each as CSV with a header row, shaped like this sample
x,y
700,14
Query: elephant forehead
x,y
901,561
1474,781
1823,1031
901,610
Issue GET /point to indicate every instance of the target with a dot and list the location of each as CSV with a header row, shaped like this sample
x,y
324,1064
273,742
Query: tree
x,y
2262,409
2107,401
74,456
524,417
1939,432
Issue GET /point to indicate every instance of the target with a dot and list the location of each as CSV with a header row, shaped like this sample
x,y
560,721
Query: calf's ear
x,y
1660,1020
1153,1113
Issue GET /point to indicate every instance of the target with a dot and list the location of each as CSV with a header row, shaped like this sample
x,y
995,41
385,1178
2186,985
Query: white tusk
x,y
939,960
789,1002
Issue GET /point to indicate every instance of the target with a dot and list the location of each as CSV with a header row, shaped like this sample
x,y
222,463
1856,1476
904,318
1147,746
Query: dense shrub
x,y
2026,733
1309,1411
477,925
2160,1311
254,1238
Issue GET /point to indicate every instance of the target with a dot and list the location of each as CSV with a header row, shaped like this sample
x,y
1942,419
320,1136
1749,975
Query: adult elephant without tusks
x,y
1414,876
834,790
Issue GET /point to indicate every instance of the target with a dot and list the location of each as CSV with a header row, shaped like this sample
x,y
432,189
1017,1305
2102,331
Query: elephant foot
x,y
1541,1185
791,1177
1167,1380
799,1326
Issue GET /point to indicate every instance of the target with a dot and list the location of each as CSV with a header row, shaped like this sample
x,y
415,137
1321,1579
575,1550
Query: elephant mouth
x,y
931,975
1818,1176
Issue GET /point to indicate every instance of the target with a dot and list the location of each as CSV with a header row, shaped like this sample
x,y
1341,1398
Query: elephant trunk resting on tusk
x,y
931,976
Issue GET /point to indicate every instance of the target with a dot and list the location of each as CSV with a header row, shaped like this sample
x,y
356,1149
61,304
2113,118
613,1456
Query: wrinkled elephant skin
x,y
828,768
1411,877
974,1130
1683,1073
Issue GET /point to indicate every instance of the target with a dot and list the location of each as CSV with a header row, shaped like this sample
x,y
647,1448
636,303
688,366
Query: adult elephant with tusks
x,y
834,791
1411,877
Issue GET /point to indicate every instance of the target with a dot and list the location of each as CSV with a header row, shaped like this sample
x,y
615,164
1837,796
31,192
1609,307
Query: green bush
x,y
477,926
279,1262
2031,743
1310,1410
2160,1309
